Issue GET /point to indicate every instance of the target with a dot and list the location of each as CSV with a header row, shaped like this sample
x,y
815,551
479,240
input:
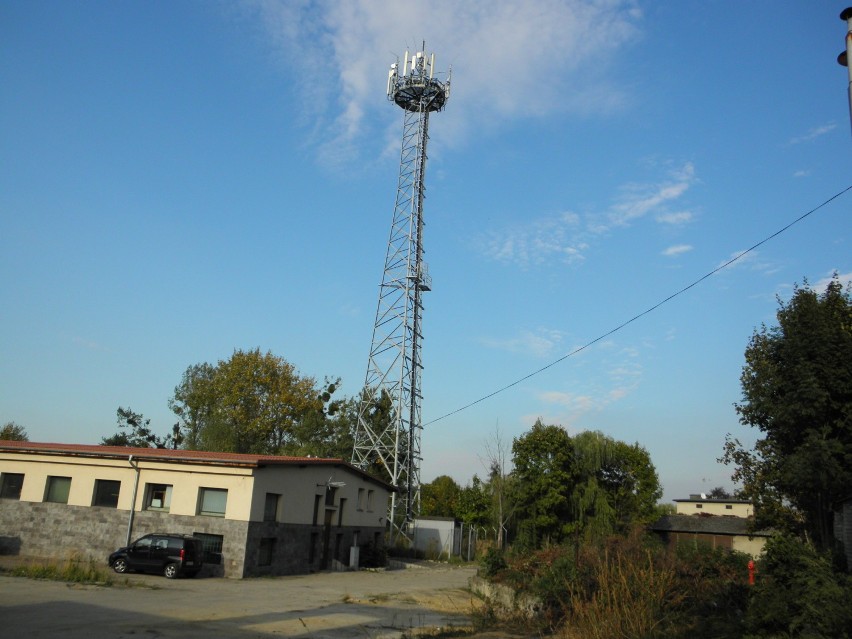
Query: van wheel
x,y
171,571
120,566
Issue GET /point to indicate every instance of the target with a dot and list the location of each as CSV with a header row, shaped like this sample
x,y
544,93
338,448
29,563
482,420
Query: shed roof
x,y
708,524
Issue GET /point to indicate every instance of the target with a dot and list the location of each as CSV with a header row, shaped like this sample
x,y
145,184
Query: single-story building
x,y
255,514
718,523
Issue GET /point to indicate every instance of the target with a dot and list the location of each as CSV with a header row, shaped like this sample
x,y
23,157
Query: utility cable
x,y
579,349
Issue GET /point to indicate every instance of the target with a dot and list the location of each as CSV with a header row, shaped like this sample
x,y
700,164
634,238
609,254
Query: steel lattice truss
x,y
389,423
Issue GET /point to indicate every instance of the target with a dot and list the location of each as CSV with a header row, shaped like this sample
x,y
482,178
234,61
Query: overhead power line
x,y
579,349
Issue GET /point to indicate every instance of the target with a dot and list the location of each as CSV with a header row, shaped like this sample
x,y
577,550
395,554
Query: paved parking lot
x,y
328,605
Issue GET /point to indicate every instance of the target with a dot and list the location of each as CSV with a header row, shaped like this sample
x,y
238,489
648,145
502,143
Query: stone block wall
x,y
41,530
57,531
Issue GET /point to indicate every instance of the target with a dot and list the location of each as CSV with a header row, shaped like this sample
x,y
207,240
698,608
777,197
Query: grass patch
x,y
75,569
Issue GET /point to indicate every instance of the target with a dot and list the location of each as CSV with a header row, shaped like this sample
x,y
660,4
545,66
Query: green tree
x,y
797,390
581,487
439,498
719,492
631,480
14,432
135,431
327,432
256,402
194,404
616,485
474,505
544,474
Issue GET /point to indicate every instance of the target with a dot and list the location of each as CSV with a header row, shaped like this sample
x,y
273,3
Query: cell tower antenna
x,y
387,439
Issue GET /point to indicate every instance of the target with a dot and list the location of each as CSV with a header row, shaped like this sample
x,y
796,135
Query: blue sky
x,y
180,179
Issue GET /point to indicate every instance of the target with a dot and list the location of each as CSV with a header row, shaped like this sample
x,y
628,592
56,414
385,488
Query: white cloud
x,y
802,173
845,280
675,218
678,249
537,242
540,343
637,201
814,133
554,52
567,237
750,260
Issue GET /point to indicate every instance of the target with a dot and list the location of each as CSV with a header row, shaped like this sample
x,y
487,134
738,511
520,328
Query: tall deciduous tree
x,y
797,390
14,432
253,402
135,431
474,505
544,474
439,498
585,486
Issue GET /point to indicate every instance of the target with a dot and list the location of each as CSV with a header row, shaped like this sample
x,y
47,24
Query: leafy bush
x,y
631,586
493,562
797,594
374,556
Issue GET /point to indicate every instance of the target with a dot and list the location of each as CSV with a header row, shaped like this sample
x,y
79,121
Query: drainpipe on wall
x,y
132,500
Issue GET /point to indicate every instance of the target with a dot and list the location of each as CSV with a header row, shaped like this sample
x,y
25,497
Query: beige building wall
x,y
84,472
363,501
750,545
732,509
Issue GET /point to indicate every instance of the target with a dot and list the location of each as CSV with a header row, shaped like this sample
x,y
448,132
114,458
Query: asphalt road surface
x,y
362,604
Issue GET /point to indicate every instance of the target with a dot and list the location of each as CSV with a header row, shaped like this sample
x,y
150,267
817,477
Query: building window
x,y
57,490
270,508
10,485
360,499
728,507
266,552
211,545
699,505
369,501
106,493
158,497
212,501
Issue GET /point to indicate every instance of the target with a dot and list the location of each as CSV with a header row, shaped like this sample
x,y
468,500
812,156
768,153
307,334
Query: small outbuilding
x,y
437,537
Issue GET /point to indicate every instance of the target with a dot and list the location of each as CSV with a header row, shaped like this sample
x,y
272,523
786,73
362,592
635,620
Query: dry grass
x,y
75,569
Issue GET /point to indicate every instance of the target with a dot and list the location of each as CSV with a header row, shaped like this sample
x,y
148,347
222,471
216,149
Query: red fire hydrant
x,y
751,572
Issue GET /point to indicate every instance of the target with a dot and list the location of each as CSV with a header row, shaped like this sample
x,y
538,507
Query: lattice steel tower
x,y
389,425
